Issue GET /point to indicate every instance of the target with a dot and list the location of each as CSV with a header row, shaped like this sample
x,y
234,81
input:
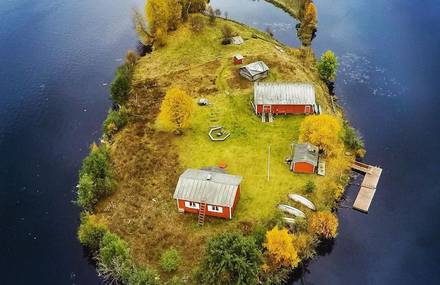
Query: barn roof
x,y
284,93
255,68
306,153
211,187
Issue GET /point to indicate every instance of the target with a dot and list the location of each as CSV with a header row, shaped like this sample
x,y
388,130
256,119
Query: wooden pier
x,y
368,186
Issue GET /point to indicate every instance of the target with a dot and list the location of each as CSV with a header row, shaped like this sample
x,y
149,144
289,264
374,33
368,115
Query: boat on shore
x,y
291,210
300,199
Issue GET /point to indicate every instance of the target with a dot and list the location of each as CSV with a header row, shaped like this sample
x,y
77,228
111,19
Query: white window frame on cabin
x,y
215,209
192,205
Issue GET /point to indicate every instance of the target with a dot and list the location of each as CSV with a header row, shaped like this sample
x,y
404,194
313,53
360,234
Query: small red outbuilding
x,y
213,192
284,98
238,59
305,158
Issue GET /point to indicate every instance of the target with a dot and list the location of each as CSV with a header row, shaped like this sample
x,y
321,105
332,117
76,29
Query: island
x,y
223,157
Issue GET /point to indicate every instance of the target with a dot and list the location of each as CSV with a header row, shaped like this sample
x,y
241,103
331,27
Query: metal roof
x,y
237,40
211,187
238,56
255,68
284,93
306,153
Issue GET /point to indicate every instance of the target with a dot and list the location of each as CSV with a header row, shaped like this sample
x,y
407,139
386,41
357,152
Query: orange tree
x,y
280,248
323,224
176,110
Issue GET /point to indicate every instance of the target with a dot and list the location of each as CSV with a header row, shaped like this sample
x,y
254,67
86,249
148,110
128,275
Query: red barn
x,y
207,192
305,158
238,59
284,98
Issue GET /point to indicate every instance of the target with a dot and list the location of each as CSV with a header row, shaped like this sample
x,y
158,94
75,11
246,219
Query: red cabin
x,y
238,59
212,191
305,158
284,98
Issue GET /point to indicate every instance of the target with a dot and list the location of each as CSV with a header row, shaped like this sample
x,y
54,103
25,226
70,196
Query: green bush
x,y
231,259
327,66
115,121
91,231
310,187
351,139
114,262
120,87
143,276
95,177
170,259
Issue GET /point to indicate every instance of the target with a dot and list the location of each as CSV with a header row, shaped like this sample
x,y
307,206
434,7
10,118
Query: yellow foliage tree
x,y
311,16
322,131
176,110
323,224
162,16
280,246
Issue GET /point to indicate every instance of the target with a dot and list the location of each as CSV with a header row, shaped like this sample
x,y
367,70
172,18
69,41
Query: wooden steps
x,y
202,214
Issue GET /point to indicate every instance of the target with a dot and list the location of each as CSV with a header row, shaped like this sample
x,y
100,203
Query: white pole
x,y
268,164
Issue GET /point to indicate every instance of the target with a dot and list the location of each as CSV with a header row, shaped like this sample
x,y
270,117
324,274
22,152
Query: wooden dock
x,y
368,186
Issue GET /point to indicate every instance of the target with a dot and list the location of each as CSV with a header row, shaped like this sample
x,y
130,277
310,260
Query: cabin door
x,y
267,109
307,110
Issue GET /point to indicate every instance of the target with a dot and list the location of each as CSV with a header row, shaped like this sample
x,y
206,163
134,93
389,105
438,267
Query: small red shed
x,y
305,158
213,192
238,59
284,98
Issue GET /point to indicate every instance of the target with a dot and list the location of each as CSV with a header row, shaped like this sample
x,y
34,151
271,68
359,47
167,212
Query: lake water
x,y
58,56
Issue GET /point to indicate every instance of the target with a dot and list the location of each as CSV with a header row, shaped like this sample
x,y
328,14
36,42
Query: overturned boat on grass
x,y
300,199
291,210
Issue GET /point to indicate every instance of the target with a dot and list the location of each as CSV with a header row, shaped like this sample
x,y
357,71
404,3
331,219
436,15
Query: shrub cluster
x,y
351,139
230,259
197,23
112,254
170,259
120,87
95,177
115,121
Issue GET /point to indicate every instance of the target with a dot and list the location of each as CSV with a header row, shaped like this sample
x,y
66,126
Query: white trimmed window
x,y
215,209
192,205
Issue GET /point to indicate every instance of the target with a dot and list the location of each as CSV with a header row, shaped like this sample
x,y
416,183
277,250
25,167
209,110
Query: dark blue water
x,y
388,84
57,56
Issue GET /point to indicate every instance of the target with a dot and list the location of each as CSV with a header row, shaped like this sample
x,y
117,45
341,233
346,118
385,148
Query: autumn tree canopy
x,y
280,247
324,131
176,110
323,224
308,24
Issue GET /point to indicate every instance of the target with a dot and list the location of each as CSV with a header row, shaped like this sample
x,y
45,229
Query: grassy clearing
x,y
148,161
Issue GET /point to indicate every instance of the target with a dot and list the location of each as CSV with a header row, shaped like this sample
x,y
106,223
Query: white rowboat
x,y
289,220
291,210
300,199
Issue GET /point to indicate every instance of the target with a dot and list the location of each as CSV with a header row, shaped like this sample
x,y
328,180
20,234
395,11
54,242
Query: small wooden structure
x,y
305,158
368,186
254,71
284,98
207,193
238,59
